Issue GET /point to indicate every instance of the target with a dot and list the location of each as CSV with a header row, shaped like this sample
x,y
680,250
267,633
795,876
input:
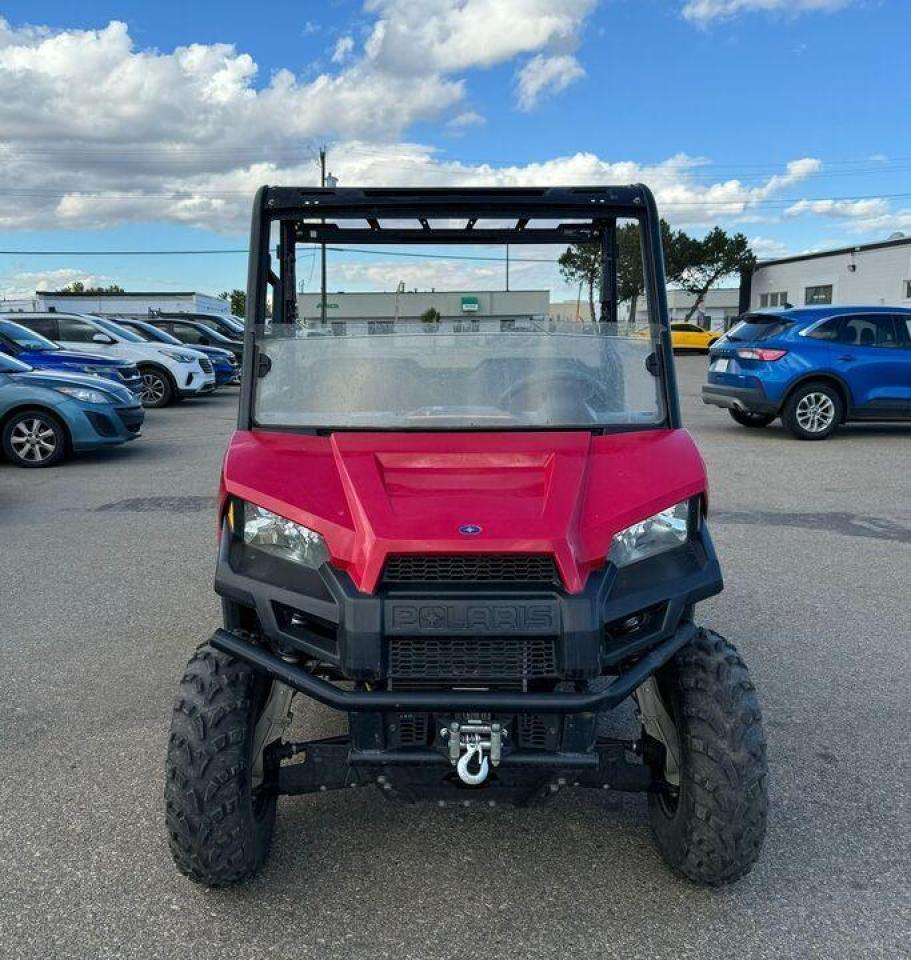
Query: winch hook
x,y
472,779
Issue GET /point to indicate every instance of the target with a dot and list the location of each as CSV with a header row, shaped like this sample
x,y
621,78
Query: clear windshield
x,y
413,376
150,334
118,331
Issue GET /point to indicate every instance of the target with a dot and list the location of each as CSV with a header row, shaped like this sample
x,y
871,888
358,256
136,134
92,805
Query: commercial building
x,y
138,304
869,273
459,310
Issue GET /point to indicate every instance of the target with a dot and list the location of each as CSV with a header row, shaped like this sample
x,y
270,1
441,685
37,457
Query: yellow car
x,y
687,336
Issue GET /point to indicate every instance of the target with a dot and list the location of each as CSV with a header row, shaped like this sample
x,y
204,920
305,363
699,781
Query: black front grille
x,y
205,365
533,731
470,567
132,419
471,660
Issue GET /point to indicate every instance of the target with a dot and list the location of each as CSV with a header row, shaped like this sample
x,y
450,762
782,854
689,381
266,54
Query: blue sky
x,y
130,125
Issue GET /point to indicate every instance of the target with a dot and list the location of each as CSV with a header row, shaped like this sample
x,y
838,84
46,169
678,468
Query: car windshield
x,y
212,333
116,330
25,338
758,326
539,374
12,365
147,332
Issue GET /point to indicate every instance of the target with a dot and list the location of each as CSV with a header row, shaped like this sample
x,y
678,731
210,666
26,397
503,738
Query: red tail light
x,y
760,353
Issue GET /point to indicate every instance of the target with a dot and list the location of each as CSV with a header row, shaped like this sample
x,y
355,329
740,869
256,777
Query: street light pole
x,y
322,183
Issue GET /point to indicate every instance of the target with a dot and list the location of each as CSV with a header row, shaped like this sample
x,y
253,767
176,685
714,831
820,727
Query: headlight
x,y
268,531
84,394
179,357
658,533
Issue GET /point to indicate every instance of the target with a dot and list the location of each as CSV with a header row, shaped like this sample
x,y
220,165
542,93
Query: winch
x,y
474,742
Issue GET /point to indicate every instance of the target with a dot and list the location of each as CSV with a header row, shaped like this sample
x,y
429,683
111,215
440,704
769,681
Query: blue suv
x,y
815,367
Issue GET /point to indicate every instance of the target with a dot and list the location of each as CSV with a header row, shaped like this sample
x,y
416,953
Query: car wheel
x,y
34,438
220,820
156,388
813,411
747,418
709,826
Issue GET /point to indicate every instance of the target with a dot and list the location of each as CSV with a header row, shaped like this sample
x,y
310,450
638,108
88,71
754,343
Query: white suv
x,y
168,373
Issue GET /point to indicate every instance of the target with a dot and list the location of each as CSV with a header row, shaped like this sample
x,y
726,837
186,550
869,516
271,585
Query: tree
x,y
77,286
677,247
430,319
238,301
715,256
581,263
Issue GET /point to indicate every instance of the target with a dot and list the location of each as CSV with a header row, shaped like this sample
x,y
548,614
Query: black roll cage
x,y
325,215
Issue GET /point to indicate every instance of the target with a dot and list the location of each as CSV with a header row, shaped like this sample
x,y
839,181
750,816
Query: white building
x,y
120,304
867,274
459,310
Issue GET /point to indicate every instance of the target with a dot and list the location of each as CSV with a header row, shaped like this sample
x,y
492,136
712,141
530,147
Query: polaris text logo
x,y
407,617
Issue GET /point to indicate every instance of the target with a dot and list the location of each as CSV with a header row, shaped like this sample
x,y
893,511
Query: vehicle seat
x,y
867,337
849,335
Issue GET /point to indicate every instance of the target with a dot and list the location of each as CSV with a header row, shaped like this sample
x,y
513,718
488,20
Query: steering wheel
x,y
567,393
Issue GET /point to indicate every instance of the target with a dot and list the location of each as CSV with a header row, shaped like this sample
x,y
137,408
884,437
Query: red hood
x,y
371,494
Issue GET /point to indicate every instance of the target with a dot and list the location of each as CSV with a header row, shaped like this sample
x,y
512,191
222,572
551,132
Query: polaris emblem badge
x,y
469,529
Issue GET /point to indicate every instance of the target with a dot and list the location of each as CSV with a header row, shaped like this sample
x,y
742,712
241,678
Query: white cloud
x,y
186,136
546,75
766,248
704,11
468,118
25,283
842,209
413,36
344,47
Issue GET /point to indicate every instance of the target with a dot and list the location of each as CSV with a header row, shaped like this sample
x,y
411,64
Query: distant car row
x,y
71,382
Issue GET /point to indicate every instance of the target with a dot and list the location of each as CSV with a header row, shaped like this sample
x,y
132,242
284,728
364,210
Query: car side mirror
x,y
102,338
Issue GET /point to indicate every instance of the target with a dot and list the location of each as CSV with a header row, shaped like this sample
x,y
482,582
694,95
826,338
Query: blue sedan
x,y
45,415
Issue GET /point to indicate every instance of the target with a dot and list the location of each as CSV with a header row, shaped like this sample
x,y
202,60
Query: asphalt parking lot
x,y
106,568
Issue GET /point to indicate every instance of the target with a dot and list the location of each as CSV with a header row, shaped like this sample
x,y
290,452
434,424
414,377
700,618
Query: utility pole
x,y
507,268
322,183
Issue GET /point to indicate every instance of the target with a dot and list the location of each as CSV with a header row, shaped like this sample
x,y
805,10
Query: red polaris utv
x,y
474,538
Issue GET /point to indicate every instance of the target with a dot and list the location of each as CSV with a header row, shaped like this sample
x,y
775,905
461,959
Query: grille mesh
x,y
474,567
205,365
471,659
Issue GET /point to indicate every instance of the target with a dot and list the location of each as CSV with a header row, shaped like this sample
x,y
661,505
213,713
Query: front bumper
x,y
93,426
752,399
626,623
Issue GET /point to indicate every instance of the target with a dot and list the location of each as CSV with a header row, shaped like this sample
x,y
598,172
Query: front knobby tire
x,y
712,827
220,828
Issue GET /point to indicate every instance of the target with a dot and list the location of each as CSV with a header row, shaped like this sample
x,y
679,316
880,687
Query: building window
x,y
908,289
339,328
777,299
380,326
818,295
507,325
466,326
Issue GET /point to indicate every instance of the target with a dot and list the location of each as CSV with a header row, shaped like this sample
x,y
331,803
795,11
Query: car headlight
x,y
84,394
268,531
179,357
660,532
